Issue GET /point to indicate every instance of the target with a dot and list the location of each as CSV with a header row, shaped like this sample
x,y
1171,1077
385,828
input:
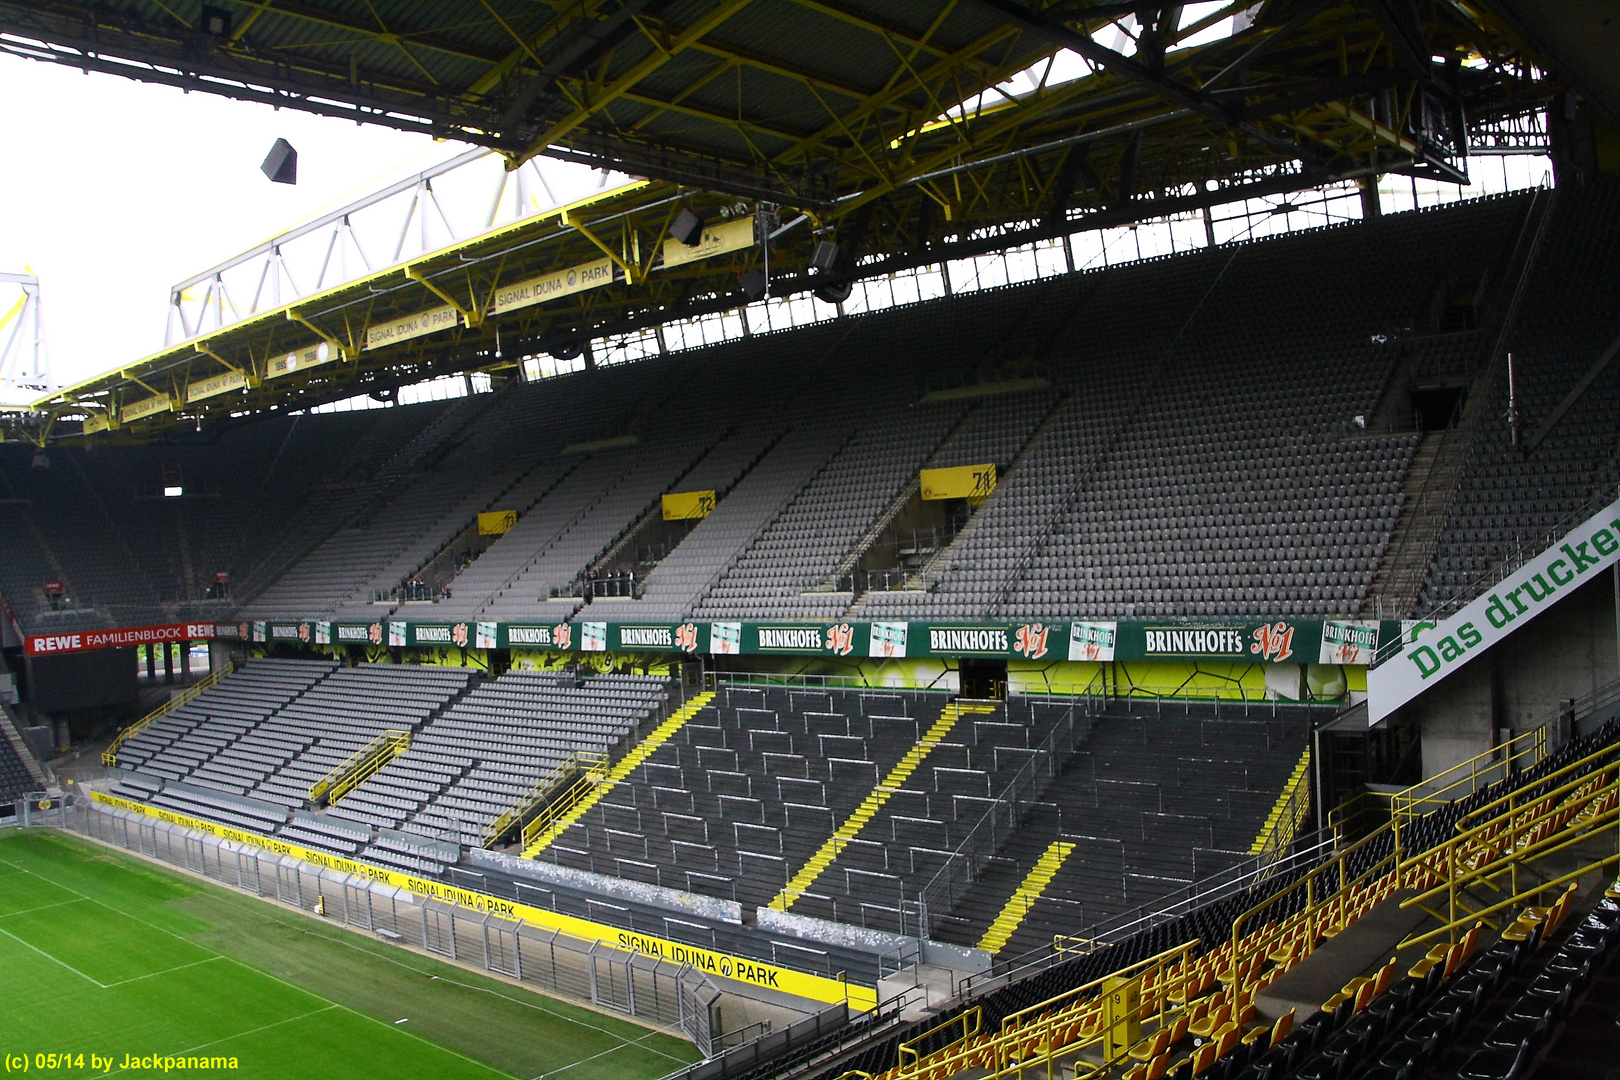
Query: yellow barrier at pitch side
x,y
725,965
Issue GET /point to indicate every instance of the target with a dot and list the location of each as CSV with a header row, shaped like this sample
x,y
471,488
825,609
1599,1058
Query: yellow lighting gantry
x,y
910,131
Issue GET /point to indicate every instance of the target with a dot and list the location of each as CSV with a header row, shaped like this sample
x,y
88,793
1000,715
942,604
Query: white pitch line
x,y
51,958
165,971
43,907
245,1034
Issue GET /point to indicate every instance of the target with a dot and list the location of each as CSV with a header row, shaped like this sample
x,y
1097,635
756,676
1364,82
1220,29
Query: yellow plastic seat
x,y
1151,1047
1274,1034
1211,1023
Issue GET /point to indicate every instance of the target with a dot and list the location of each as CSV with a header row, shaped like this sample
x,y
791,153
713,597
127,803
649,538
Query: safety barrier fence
x,y
1000,821
109,756
770,1044
562,804
651,989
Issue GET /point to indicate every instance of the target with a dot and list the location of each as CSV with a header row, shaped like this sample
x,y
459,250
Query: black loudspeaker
x,y
569,350
281,164
833,292
754,284
215,22
824,256
687,228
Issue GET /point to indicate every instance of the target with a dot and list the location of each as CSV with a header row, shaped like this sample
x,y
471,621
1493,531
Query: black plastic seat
x,y
1570,965
1271,1065
1321,1067
1495,1064
1553,989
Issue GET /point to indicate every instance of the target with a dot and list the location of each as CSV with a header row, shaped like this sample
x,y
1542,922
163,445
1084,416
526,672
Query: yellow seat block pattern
x,y
873,802
627,765
1023,897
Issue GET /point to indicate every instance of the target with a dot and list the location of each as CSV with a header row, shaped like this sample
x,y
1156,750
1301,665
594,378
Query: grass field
x,y
106,955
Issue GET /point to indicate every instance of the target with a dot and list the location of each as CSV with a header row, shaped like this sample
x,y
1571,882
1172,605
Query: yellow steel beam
x,y
1000,123
324,17
631,271
202,347
511,32
506,65
344,352
472,316
950,64
883,30
638,71
15,308
781,68
676,105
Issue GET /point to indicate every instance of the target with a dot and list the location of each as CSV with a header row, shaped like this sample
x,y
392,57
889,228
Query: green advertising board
x,y
1278,641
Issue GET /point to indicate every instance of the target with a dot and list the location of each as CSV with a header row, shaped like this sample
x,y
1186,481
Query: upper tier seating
x,y
1509,504
1203,462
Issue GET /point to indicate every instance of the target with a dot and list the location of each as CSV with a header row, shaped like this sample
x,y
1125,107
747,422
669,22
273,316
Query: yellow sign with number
x,y
495,522
1122,1015
962,482
685,505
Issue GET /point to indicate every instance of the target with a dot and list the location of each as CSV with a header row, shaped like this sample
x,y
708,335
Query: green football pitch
x,y
108,959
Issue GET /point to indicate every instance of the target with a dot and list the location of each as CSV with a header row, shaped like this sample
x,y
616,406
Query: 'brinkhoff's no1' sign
x,y
1436,650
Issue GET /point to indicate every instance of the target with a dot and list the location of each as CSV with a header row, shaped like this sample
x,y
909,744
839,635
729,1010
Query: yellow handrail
x,y
1510,838
109,756
1045,1021
1586,762
581,760
562,804
360,765
1499,760
970,1021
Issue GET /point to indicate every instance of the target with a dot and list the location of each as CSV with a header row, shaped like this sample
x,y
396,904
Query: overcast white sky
x,y
114,190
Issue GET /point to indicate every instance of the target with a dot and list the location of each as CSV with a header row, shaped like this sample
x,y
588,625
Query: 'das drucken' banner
x,y
1431,651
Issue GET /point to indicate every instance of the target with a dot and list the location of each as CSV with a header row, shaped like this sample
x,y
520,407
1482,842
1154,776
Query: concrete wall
x,y
1568,652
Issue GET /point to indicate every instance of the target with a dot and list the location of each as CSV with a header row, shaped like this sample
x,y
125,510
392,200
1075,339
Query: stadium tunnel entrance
x,y
982,678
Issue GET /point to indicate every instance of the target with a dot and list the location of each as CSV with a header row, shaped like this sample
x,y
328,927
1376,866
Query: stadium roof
x,y
892,126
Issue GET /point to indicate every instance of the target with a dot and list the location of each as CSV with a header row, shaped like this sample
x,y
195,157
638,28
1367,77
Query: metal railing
x,y
1496,840
359,766
1119,928
109,756
1000,821
565,802
587,762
